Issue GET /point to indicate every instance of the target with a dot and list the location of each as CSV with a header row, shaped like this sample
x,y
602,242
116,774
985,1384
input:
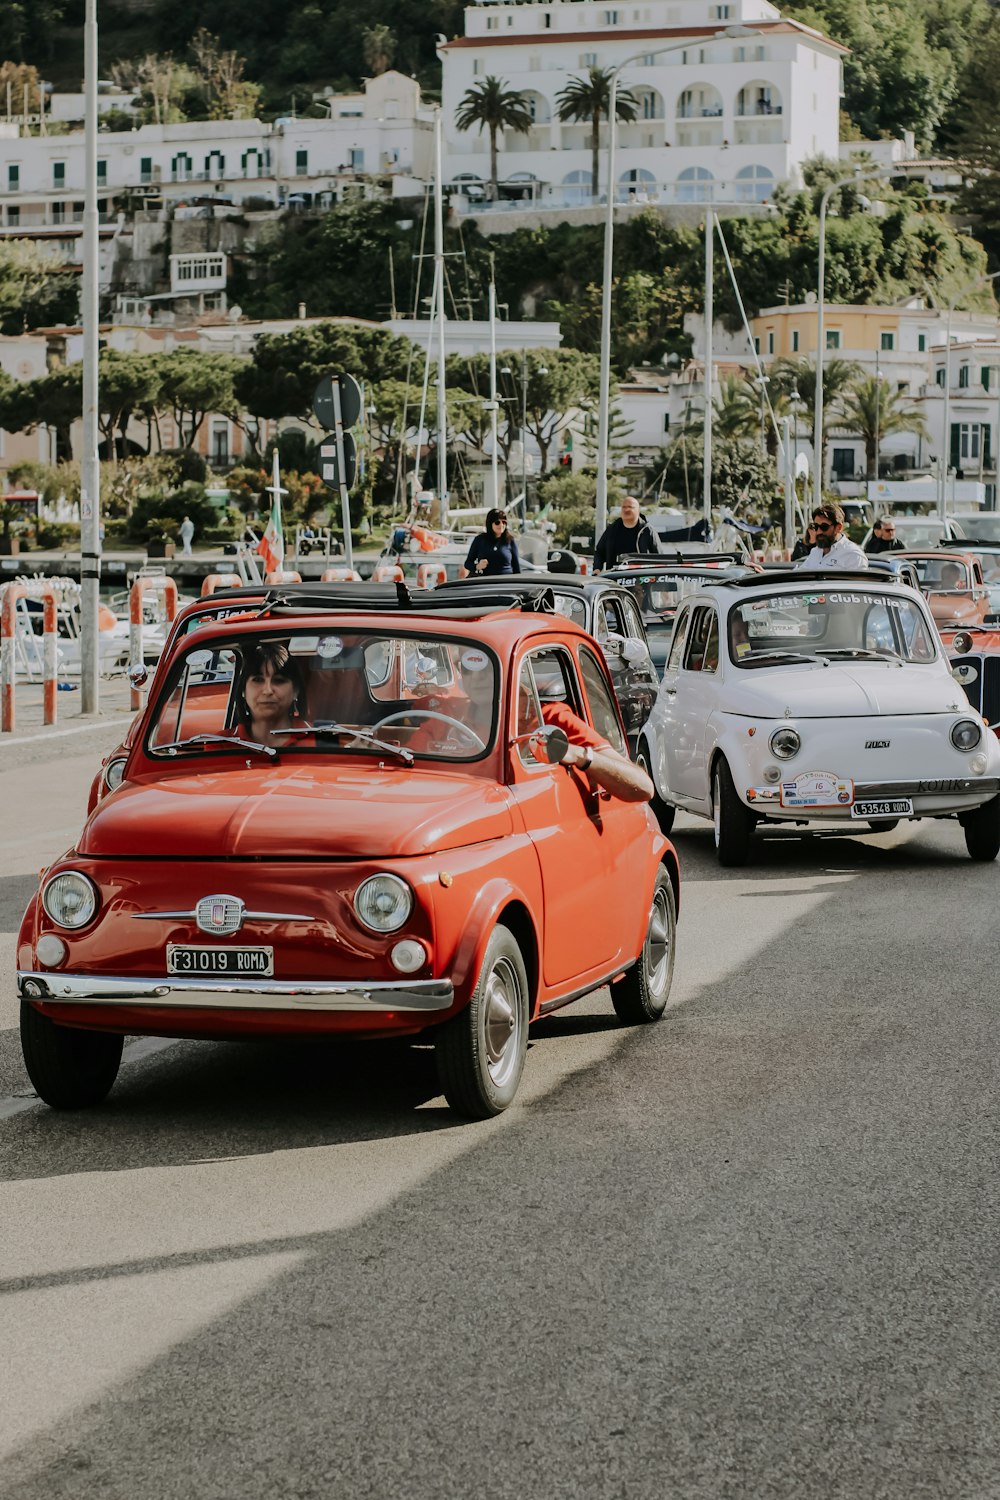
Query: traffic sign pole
x,y
345,502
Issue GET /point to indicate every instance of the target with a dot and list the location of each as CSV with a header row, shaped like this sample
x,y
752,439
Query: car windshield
x,y
983,525
658,596
383,693
941,575
833,624
573,606
919,533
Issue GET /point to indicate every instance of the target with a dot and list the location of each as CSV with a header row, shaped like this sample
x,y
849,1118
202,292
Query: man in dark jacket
x,y
883,537
629,533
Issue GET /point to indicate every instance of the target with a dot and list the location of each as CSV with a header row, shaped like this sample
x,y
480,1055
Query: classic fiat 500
x,y
797,697
356,823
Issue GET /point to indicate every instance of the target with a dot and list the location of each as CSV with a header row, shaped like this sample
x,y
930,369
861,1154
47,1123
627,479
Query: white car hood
x,y
842,690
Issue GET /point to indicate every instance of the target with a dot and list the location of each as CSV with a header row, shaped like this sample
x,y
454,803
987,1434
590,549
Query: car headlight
x,y
383,902
966,734
70,899
113,772
785,743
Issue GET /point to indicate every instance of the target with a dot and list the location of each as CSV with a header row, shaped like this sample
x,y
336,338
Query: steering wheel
x,y
427,713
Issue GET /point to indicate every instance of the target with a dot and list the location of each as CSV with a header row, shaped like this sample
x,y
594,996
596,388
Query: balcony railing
x,y
558,197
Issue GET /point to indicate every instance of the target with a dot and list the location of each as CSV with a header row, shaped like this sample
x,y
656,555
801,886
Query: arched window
x,y
576,187
250,161
215,166
538,106
700,102
635,185
694,185
754,184
650,104
758,98
182,167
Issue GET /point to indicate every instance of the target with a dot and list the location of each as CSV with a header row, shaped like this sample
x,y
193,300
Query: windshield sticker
x,y
303,645
744,648
475,661
330,646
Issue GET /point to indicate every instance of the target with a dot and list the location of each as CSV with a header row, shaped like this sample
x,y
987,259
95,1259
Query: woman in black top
x,y
493,551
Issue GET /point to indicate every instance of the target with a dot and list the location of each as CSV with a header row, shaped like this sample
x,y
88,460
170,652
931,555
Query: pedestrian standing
x,y
628,533
493,551
187,536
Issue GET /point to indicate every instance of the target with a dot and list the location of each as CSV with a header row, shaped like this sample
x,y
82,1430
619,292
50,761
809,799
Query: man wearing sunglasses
x,y
833,549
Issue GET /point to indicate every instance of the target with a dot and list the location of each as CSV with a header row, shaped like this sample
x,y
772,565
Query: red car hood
x,y
295,812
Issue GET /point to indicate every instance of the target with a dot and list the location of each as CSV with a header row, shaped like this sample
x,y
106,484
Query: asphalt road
x,y
748,1252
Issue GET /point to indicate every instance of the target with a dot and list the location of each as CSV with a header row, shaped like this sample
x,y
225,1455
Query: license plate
x,y
211,962
817,789
895,807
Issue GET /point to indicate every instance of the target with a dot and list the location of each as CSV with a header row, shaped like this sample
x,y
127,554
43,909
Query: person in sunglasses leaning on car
x,y
833,549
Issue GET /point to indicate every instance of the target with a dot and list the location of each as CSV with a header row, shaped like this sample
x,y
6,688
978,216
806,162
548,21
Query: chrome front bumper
x,y
960,791
220,994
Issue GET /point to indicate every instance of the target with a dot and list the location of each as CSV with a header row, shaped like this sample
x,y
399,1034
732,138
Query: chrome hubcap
x,y
502,1017
658,944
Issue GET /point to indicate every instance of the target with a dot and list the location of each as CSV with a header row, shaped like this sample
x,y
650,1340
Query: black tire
x,y
478,1065
69,1069
734,822
641,995
883,825
982,831
663,812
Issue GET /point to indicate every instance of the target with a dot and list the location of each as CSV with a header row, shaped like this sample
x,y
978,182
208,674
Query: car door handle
x,y
670,692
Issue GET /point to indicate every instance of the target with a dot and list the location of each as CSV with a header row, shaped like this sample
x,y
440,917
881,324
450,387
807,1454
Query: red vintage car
x,y
392,861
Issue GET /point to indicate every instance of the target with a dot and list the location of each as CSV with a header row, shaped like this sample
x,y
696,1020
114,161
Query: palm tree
x,y
378,47
788,375
493,107
872,410
590,99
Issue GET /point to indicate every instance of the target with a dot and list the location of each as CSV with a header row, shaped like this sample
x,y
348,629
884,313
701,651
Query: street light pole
x,y
90,470
604,395
706,495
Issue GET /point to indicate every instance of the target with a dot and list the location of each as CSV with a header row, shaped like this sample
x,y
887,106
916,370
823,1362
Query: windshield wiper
x,y
406,756
215,739
759,656
860,652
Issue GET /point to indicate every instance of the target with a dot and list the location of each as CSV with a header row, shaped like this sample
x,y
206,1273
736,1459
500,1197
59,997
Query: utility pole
x,y
709,321
90,476
442,408
786,423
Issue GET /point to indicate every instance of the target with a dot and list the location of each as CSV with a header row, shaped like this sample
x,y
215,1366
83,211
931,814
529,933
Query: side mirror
x,y
556,744
137,674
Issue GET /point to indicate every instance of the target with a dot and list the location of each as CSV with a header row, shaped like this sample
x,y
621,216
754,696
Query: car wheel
x,y
662,811
734,822
883,825
982,830
641,995
69,1069
480,1052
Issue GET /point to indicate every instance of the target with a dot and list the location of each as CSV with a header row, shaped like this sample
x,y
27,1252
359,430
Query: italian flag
x,y
272,544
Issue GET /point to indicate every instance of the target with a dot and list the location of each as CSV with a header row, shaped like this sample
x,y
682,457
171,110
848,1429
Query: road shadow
x,y
743,1255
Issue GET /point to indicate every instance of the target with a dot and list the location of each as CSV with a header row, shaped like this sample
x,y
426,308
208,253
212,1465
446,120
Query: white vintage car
x,y
801,697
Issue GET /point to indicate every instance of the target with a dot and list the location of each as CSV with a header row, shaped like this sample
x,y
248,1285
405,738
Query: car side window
x,y
677,644
546,677
612,616
602,707
633,624
703,641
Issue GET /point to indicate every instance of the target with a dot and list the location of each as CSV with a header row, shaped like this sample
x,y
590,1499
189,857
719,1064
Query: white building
x,y
720,118
384,132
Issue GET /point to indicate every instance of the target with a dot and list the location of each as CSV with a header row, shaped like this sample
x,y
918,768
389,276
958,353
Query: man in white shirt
x,y
833,549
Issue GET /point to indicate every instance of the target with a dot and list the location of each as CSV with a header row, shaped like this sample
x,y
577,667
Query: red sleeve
x,y
561,716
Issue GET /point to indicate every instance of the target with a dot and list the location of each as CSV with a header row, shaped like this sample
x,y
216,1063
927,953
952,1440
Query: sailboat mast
x,y
494,456
442,414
